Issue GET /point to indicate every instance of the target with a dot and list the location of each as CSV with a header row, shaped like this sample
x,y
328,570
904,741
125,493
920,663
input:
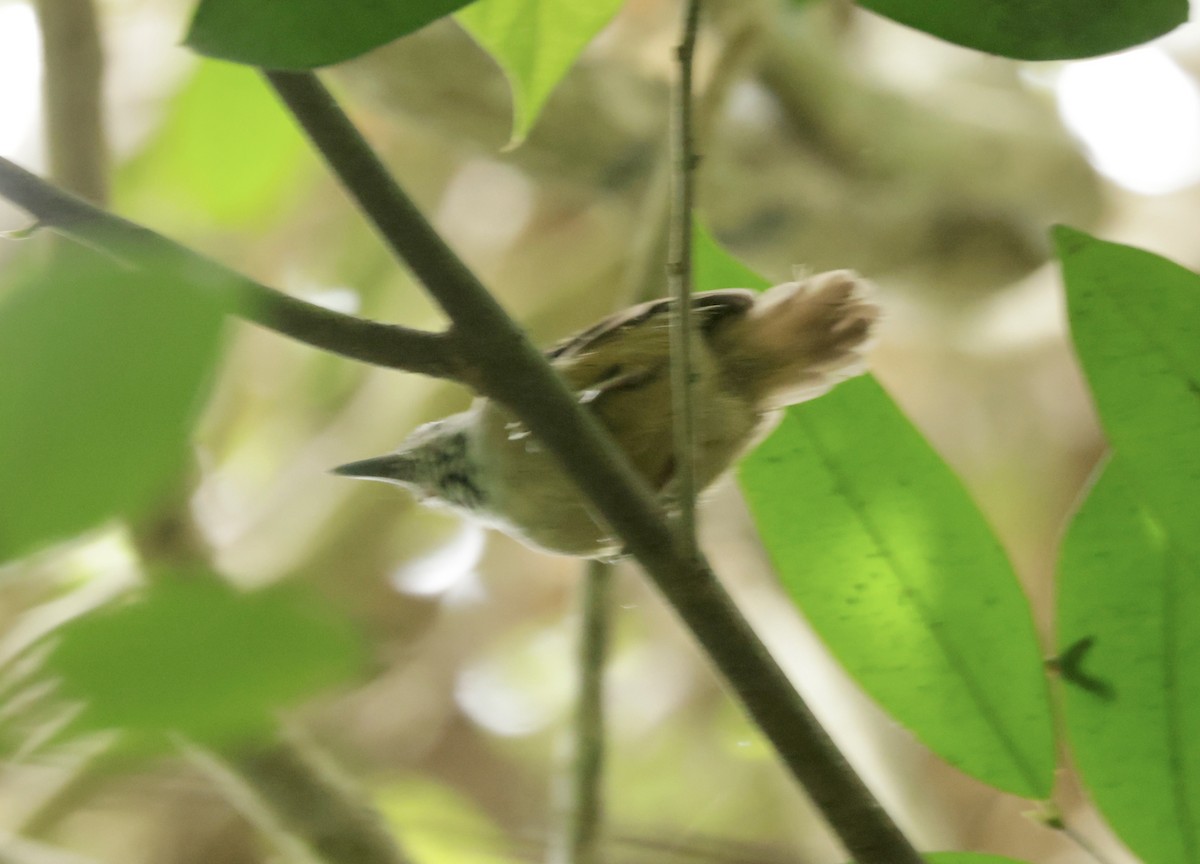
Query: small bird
x,y
752,356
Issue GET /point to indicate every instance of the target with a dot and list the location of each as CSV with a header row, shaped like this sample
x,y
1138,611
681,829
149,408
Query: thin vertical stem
x,y
583,792
679,273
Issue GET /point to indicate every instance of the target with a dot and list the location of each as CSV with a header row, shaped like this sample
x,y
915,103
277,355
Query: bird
x,y
753,354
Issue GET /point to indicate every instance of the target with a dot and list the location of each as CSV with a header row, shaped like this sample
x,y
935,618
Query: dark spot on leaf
x,y
1069,665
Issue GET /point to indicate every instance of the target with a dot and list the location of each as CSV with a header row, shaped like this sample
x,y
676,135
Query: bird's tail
x,y
801,338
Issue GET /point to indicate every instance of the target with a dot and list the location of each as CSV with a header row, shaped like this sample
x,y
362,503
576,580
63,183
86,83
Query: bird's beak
x,y
393,467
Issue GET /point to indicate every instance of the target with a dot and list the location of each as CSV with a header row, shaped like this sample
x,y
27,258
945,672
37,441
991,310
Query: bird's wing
x,y
620,368
709,307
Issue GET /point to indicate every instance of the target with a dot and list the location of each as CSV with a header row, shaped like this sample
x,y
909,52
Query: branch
x,y
679,277
291,791
515,373
356,338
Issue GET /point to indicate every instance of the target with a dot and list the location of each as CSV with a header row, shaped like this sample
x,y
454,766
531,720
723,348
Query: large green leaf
x,y
1129,597
196,657
1038,29
1130,567
890,561
1134,321
227,155
305,34
535,42
102,371
892,564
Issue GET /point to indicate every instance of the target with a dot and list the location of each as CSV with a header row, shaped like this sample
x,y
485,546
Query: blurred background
x,y
830,138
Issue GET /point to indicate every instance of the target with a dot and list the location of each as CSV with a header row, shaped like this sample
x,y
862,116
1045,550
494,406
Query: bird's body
x,y
752,355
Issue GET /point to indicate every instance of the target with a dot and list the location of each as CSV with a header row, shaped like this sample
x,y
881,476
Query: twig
x,y
72,87
740,35
679,276
291,791
356,338
583,799
586,773
515,373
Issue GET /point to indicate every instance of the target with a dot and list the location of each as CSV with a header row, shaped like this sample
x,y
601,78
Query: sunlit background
x,y
936,171
1136,113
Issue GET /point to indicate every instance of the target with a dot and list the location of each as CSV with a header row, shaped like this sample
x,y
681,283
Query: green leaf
x,y
305,34
892,564
227,153
1038,29
1134,318
714,268
890,561
194,656
535,42
102,373
1129,597
1130,566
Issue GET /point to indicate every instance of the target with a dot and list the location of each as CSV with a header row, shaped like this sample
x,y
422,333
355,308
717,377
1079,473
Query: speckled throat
x,y
444,470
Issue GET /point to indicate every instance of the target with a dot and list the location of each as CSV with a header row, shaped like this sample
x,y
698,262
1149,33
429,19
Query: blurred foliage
x,y
1035,29
1130,569
440,826
103,370
225,156
194,657
969,858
